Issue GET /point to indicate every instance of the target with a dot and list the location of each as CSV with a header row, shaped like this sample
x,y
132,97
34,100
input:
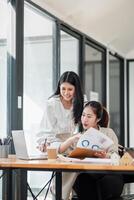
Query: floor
x,y
128,193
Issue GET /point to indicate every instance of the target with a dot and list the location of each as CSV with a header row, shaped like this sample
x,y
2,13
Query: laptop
x,y
21,149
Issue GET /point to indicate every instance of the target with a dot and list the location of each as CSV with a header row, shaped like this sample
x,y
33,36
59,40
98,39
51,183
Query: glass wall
x,y
37,65
3,67
69,53
94,76
131,103
3,73
114,94
37,77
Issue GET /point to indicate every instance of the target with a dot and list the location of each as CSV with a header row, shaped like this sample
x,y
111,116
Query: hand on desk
x,y
100,154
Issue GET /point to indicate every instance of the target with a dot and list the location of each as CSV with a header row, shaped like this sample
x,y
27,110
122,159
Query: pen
x,y
43,145
45,142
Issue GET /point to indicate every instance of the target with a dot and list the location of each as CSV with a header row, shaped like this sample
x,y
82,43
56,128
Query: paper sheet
x,y
94,139
86,160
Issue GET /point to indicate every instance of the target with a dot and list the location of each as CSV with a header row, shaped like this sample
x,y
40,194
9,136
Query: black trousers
x,y
89,186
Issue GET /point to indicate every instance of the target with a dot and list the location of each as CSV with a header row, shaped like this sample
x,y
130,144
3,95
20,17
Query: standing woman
x,y
63,111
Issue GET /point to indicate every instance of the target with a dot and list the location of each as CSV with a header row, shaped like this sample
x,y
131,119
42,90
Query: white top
x,y
57,123
111,134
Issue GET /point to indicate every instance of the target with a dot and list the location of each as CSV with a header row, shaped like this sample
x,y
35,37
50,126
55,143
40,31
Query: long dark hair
x,y
78,101
100,112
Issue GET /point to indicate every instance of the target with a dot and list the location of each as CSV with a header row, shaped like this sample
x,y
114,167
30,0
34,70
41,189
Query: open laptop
x,y
21,149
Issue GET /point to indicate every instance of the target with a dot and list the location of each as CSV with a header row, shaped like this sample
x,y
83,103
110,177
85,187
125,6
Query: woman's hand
x,y
69,142
100,154
43,146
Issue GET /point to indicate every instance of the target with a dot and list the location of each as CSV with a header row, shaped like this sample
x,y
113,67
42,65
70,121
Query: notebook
x,y
21,148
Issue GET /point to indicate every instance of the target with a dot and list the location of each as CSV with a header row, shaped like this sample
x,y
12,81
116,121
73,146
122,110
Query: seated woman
x,y
111,186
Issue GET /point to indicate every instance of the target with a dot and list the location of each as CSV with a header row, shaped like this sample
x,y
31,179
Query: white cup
x,y
51,152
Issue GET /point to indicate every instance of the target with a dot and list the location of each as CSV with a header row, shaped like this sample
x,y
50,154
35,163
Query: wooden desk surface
x,y
45,164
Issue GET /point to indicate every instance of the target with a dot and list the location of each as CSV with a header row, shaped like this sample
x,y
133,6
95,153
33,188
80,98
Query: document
x,y
89,143
94,139
86,160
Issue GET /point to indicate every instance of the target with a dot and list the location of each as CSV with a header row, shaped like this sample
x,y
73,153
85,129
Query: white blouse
x,y
111,134
57,123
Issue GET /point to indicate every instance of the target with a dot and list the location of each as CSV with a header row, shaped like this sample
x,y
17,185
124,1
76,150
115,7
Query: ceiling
x,y
109,22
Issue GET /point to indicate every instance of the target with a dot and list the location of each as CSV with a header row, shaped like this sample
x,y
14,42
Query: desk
x,y
60,166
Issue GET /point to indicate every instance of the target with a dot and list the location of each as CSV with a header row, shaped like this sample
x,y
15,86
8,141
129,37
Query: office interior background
x,y
40,39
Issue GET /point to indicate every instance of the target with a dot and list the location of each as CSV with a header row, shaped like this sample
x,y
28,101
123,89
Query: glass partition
x,y
93,73
69,53
130,103
37,78
114,94
3,73
37,66
3,67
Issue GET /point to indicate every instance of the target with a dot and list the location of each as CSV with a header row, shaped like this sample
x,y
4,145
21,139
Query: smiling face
x,y
89,118
67,91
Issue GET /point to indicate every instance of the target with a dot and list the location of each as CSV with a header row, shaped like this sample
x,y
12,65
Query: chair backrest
x,y
130,150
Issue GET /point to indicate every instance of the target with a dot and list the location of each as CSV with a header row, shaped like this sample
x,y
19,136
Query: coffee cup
x,y
51,152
